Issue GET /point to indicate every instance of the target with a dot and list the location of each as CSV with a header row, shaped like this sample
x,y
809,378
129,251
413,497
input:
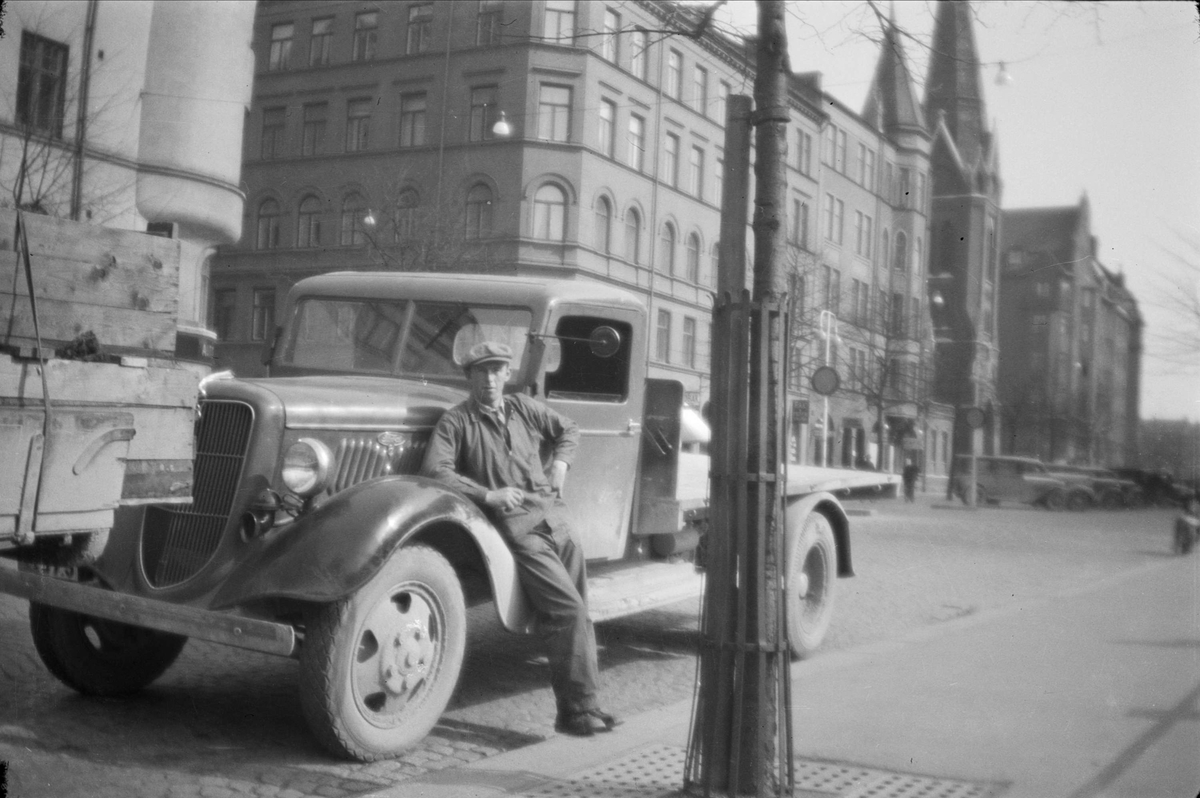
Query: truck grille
x,y
178,542
361,458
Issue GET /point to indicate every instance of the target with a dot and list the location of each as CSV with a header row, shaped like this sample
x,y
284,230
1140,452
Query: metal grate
x,y
658,773
178,542
363,458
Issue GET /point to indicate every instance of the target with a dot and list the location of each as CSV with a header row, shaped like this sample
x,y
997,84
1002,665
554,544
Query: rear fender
x,y
827,504
330,552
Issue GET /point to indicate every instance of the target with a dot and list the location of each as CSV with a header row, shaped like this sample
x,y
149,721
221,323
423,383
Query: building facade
x,y
372,143
1070,343
130,115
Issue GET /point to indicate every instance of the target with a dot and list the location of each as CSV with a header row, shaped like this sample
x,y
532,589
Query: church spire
x,y
953,85
892,102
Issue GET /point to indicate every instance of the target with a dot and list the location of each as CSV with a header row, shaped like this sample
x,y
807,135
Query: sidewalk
x,y
1095,692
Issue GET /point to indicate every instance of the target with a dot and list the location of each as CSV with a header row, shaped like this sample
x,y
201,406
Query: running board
x,y
218,627
629,589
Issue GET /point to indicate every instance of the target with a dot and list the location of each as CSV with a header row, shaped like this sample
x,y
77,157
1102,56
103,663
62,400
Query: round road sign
x,y
825,380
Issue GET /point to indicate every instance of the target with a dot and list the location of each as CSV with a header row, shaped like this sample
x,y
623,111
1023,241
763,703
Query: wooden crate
x,y
121,285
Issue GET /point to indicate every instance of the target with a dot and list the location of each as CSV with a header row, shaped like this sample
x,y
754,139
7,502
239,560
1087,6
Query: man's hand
x,y
505,498
558,476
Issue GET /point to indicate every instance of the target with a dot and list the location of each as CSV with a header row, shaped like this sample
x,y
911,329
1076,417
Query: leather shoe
x,y
585,723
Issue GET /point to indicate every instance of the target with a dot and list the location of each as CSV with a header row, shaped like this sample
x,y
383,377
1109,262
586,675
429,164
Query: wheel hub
x,y
802,584
405,661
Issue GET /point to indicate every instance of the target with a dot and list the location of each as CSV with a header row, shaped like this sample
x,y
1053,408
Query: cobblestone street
x,y
225,722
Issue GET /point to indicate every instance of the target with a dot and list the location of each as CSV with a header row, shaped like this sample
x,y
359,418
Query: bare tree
x,y
1178,295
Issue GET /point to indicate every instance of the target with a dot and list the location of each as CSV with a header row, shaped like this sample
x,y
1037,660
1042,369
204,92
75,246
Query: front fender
x,y
330,552
825,503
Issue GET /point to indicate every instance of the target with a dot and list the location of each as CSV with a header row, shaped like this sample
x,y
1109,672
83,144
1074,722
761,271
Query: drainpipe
x,y
85,78
653,225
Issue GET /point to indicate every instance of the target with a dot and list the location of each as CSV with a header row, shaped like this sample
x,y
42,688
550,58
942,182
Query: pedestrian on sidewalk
x,y
488,447
909,477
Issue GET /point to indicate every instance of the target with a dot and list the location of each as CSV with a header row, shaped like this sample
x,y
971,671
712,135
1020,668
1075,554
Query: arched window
x,y
404,215
268,224
693,257
919,258
479,211
901,255
715,270
308,222
633,236
354,212
885,252
666,249
550,213
603,225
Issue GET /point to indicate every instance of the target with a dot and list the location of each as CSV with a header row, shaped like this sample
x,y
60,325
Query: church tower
x,y
964,230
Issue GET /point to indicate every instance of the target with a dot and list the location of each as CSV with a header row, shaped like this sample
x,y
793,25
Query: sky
x,y
1103,99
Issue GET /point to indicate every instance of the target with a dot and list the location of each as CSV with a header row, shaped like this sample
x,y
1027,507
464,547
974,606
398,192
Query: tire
x,y
99,657
811,575
1078,501
1055,500
1185,537
981,496
378,668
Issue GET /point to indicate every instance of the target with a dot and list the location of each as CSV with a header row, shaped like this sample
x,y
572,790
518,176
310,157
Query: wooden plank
x,y
124,286
163,433
61,321
77,382
62,238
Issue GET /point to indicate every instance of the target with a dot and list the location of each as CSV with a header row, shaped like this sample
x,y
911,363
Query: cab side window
x,y
582,373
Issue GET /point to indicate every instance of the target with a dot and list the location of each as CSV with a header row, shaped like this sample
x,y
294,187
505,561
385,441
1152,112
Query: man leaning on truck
x,y
488,447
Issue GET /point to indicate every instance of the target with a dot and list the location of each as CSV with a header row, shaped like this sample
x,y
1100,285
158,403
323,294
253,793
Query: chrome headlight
x,y
307,466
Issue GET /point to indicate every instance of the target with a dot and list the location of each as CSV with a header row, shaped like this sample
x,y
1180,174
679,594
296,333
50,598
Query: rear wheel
x,y
811,575
378,668
99,657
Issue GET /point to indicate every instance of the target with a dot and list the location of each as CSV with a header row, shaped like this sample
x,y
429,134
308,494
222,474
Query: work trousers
x,y
554,576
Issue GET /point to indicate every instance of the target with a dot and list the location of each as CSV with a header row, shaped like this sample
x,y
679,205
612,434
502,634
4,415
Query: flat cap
x,y
487,352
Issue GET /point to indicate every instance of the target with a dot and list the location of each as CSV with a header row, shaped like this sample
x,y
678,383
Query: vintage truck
x,y
310,533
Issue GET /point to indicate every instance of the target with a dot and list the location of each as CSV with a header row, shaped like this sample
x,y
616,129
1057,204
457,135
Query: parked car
x,y
1111,490
1017,479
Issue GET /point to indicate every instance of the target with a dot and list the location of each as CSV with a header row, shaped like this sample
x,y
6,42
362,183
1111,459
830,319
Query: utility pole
x,y
741,741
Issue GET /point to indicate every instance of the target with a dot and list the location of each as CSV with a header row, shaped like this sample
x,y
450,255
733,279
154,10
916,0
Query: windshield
x,y
400,338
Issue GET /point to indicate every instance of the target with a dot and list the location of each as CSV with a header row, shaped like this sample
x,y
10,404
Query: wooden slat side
x,y
61,321
63,238
97,383
123,286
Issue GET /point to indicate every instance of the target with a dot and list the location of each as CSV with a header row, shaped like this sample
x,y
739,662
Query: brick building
x,y
1070,343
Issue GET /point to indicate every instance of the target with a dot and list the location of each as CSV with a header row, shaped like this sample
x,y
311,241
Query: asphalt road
x,y
224,722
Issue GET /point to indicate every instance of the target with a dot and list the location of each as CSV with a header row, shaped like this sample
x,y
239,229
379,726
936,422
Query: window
x,y
560,21
607,130
835,296
866,167
354,214
862,234
859,296
674,87
799,222
487,24
884,249
901,252
841,163
358,125
584,375
636,153
921,198
714,265
224,308
804,152
604,225
696,173
272,132
905,200
313,133
689,342
670,174
268,225
609,42
554,113
693,258
700,89
308,222
420,28
281,47
666,249
829,148
722,103
719,179
321,41
662,344
919,258
479,211
639,44
550,213
483,113
412,119
633,236
834,211
366,28
262,318
41,84
898,314
404,216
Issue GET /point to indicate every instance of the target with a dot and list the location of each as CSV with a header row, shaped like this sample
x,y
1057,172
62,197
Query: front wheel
x,y
99,657
378,668
811,575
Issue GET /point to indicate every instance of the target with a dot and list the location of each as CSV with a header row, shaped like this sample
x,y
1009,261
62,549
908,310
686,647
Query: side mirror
x,y
604,341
